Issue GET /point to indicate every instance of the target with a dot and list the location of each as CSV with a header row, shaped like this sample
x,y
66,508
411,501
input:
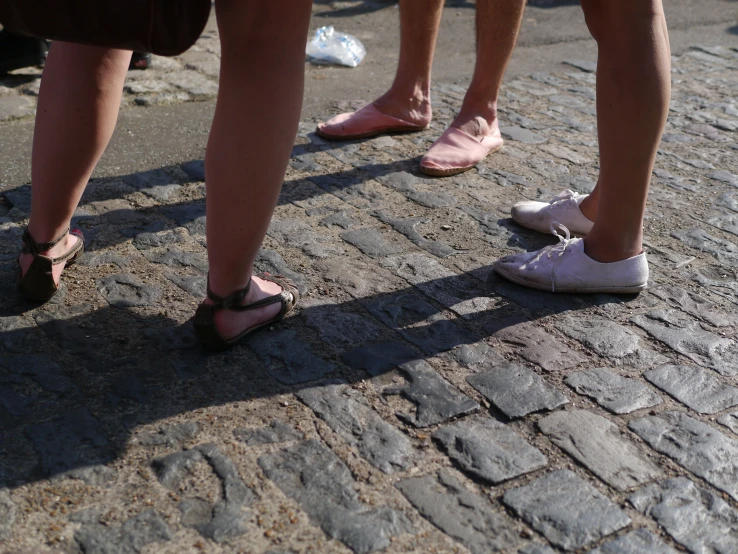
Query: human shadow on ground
x,y
76,381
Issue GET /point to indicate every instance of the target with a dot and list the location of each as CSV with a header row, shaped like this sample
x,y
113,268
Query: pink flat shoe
x,y
456,151
364,123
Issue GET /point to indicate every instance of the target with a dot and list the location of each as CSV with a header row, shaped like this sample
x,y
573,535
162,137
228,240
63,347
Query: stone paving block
x,y
477,356
459,293
276,432
322,485
517,391
124,290
696,518
566,510
132,537
196,285
371,242
8,513
694,304
379,358
15,107
536,549
228,516
299,234
695,387
171,435
197,85
730,421
539,347
339,329
619,395
436,400
407,185
71,441
688,338
724,251
349,415
605,337
489,450
289,359
596,443
461,514
407,226
639,541
565,153
522,135
419,322
173,257
694,445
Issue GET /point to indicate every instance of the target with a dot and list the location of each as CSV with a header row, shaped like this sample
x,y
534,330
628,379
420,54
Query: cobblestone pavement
x,y
415,403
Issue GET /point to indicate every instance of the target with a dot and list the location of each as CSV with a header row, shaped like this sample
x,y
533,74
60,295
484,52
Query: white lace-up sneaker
x,y
564,267
563,208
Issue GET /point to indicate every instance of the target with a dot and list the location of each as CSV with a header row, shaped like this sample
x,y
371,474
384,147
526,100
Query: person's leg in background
x,y
256,120
407,103
498,24
633,91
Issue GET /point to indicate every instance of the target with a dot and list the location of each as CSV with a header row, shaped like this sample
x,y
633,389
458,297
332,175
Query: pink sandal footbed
x,y
364,123
455,152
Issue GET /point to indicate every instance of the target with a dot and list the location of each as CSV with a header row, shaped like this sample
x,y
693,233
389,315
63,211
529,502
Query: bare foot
x,y
64,246
230,324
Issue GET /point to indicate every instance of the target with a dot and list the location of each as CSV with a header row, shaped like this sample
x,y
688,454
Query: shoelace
x,y
556,250
564,196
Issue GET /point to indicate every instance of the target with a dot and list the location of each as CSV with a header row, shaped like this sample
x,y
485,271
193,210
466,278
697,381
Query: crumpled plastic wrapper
x,y
331,47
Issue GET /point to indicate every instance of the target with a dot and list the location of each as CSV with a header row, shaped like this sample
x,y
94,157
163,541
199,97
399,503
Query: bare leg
x,y
409,96
78,107
498,24
633,79
256,119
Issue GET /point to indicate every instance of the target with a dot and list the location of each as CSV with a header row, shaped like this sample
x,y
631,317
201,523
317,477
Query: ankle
x,y
411,98
608,251
588,207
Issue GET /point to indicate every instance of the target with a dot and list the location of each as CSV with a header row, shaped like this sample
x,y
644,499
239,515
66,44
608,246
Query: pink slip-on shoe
x,y
364,123
456,151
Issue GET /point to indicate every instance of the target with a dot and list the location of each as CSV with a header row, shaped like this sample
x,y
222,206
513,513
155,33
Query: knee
x,y
614,17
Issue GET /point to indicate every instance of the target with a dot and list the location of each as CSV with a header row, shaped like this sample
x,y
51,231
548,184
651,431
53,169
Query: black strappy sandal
x,y
38,283
204,320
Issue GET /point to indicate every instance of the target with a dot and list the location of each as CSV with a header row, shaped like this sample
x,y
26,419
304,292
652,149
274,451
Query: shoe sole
x,y
454,170
371,134
633,289
544,231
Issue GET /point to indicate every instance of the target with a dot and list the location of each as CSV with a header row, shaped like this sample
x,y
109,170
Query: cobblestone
x,y
694,445
596,443
695,387
489,450
619,395
345,411
696,518
566,510
465,516
635,542
517,391
315,478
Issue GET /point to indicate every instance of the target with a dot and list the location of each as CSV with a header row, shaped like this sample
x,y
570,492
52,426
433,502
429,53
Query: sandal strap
x,y
230,302
34,248
30,246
